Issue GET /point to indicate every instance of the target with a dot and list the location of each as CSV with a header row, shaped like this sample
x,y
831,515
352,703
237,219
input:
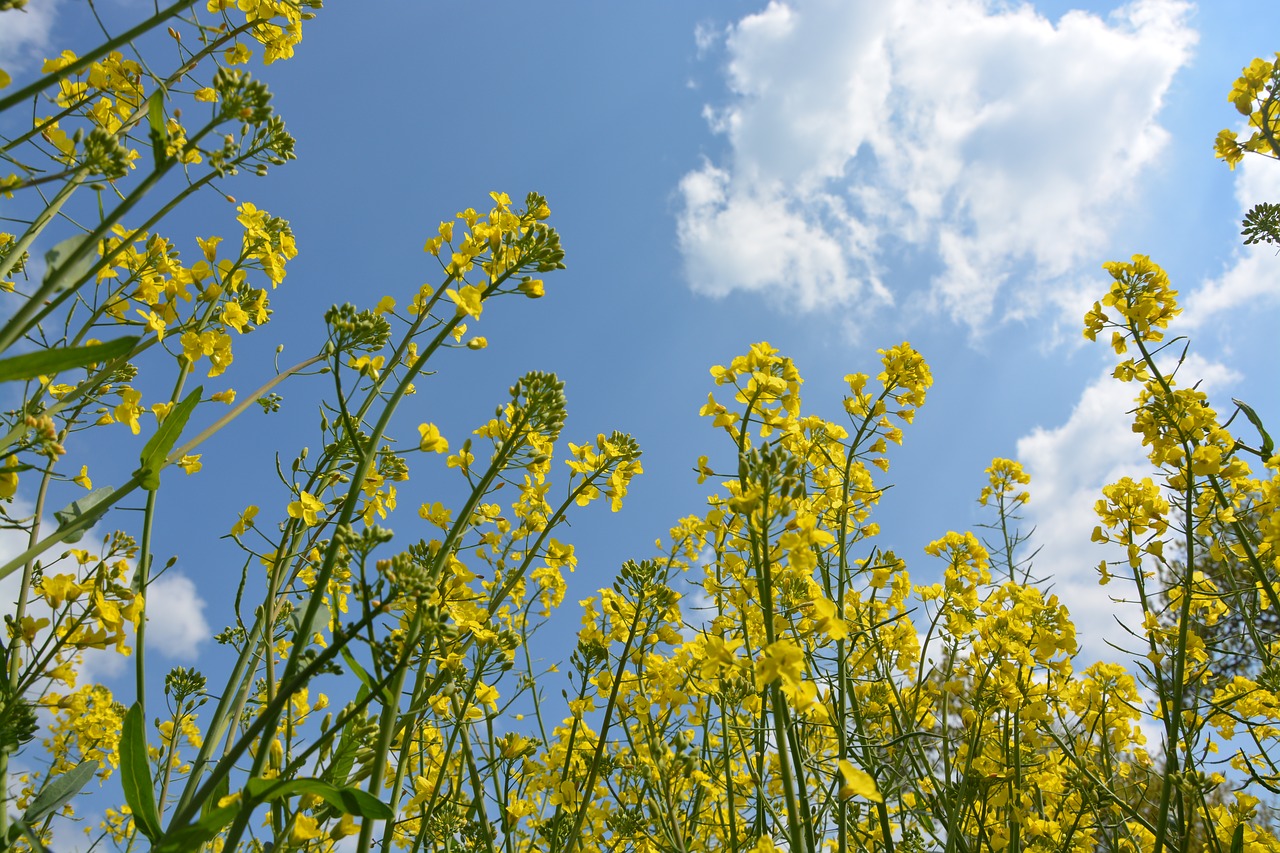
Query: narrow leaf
x,y
59,791
84,513
135,774
364,677
351,801
344,754
158,446
47,362
159,130
60,275
1268,446
1237,839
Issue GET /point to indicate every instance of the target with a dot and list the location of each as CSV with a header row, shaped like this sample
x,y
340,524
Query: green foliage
x,y
1262,224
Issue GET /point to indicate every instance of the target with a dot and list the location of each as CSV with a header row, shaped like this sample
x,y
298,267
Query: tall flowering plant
x,y
804,693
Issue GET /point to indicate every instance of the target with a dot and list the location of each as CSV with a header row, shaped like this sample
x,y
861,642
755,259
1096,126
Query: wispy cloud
x,y
989,138
24,34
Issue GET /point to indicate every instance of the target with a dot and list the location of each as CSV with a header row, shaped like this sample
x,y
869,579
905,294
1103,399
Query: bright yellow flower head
x,y
432,441
307,507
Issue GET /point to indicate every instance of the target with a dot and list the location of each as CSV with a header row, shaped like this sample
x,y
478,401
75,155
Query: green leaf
x,y
60,275
84,513
135,773
319,621
59,791
351,801
47,362
1237,839
159,129
1268,446
344,754
158,446
364,677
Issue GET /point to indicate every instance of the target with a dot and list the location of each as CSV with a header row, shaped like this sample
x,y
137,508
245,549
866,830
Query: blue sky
x,y
833,177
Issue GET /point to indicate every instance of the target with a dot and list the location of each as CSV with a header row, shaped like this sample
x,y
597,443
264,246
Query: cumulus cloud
x,y
1069,464
24,34
989,136
175,617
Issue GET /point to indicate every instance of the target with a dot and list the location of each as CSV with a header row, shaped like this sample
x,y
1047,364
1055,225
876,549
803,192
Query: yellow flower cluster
x,y
1141,295
1254,95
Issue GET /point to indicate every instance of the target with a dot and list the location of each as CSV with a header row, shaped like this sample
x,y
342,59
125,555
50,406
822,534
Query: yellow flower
x,y
346,826
209,247
245,521
154,322
30,627
307,507
82,479
305,828
781,660
128,410
826,618
432,441
57,589
468,299
206,95
237,55
857,784
228,396
59,62
190,463
462,459
566,794
233,315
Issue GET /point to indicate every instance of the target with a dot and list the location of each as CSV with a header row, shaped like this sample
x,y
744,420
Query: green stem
x,y
387,728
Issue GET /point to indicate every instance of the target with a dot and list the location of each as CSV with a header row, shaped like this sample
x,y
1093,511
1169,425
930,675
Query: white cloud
x,y
1069,465
990,135
705,37
24,34
1250,278
175,617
